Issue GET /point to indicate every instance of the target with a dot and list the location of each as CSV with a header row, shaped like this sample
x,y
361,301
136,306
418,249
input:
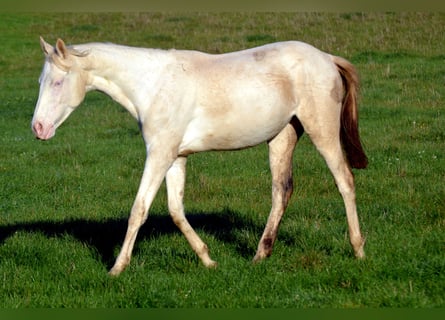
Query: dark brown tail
x,y
349,135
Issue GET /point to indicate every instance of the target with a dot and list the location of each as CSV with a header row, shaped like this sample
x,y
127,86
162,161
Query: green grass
x,y
64,203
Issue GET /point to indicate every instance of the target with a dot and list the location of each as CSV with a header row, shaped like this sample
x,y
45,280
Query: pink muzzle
x,y
42,130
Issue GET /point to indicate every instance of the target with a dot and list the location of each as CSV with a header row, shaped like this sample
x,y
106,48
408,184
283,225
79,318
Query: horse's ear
x,y
61,49
46,47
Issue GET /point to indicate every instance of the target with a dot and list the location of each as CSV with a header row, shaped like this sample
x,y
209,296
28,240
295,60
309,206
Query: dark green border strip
x,y
217,5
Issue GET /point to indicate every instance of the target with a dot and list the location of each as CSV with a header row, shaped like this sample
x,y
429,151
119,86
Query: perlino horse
x,y
188,101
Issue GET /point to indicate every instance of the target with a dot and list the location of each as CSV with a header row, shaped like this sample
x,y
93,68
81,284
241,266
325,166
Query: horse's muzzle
x,y
43,131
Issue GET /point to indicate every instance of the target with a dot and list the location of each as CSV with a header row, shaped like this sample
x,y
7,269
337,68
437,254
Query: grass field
x,y
64,203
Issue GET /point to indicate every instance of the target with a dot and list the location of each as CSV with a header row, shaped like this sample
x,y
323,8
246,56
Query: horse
x,y
189,101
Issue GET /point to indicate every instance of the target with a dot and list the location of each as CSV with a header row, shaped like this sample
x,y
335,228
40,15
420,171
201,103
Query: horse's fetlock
x,y
358,244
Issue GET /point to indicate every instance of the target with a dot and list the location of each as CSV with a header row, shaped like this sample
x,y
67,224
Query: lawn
x,y
64,203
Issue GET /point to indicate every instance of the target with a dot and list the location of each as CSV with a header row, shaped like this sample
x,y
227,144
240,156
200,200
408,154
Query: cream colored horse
x,y
188,101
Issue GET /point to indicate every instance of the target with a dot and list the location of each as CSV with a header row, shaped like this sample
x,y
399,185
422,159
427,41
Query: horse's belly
x,y
232,131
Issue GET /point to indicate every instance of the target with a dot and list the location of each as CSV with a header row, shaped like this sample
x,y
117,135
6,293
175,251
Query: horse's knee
x,y
178,219
137,219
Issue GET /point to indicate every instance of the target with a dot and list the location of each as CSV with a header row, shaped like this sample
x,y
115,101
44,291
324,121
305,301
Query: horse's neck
x,y
124,73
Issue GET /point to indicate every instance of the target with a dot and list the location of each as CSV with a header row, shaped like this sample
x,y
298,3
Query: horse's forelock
x,y
65,63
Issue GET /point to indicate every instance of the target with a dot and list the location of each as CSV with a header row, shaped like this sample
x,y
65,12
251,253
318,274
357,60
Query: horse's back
x,y
291,68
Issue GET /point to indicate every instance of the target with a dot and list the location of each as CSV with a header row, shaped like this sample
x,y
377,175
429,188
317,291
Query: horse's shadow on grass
x,y
106,236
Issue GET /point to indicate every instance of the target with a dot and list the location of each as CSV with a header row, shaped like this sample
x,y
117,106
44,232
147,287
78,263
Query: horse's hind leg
x,y
327,141
280,157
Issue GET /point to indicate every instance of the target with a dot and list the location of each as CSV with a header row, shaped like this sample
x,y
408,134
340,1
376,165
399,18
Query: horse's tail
x,y
349,134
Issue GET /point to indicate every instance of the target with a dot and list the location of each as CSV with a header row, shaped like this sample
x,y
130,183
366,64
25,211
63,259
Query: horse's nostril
x,y
37,128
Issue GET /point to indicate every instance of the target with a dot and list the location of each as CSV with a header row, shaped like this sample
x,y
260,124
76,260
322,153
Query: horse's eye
x,y
58,83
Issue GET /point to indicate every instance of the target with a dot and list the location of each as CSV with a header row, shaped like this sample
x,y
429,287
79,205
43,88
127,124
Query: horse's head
x,y
62,88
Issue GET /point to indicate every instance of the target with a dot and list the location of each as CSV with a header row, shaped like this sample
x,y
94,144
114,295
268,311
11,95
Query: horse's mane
x,y
78,53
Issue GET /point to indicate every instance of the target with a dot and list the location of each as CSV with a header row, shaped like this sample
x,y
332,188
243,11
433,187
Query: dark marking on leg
x,y
268,246
288,190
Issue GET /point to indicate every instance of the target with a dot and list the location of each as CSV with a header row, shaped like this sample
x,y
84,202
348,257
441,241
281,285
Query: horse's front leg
x,y
175,180
157,164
